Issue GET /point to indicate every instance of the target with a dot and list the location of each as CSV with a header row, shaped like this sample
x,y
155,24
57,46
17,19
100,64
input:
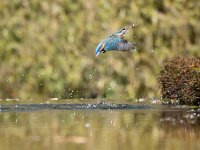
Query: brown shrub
x,y
180,79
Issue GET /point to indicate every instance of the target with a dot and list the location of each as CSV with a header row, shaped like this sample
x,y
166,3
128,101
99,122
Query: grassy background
x,y
47,48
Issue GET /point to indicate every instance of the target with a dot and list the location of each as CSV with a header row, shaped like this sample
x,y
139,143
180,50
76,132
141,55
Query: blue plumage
x,y
115,41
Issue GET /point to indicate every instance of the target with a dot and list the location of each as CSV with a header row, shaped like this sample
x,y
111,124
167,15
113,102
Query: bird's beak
x,y
130,27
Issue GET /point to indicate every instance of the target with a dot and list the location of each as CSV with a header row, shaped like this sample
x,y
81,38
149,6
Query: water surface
x,y
92,124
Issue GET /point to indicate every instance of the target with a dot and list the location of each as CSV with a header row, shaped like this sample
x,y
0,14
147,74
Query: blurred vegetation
x,y
47,48
180,79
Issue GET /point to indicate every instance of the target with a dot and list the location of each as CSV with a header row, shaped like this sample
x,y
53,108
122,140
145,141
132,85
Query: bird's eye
x,y
124,29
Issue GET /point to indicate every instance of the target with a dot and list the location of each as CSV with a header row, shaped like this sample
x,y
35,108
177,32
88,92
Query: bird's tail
x,y
98,49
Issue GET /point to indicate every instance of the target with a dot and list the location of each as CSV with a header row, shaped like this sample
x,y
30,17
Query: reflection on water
x,y
143,128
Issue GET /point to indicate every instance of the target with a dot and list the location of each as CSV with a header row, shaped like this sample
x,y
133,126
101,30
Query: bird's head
x,y
123,31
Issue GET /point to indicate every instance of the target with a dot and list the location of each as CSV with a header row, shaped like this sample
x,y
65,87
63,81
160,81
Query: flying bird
x,y
116,42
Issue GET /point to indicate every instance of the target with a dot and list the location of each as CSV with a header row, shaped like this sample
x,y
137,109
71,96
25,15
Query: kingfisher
x,y
116,42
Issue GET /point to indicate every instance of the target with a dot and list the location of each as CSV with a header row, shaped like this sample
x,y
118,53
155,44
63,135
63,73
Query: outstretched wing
x,y
124,45
118,44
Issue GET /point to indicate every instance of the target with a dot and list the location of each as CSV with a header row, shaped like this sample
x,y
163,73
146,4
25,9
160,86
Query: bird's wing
x,y
124,45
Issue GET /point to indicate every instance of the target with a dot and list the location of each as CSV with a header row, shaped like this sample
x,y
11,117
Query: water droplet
x,y
53,99
111,122
91,134
181,121
90,76
87,125
191,116
141,100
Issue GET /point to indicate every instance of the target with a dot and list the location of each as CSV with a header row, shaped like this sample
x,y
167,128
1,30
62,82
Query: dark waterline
x,y
37,107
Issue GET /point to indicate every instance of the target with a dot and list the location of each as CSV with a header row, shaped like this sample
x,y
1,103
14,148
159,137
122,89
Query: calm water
x,y
90,125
